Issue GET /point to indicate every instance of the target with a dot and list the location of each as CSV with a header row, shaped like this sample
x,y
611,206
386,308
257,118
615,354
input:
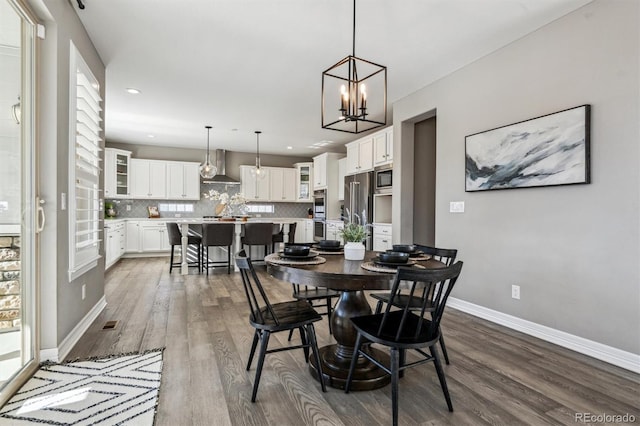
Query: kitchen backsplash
x,y
201,208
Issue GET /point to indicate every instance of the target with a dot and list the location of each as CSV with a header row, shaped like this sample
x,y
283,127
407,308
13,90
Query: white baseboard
x,y
620,358
59,353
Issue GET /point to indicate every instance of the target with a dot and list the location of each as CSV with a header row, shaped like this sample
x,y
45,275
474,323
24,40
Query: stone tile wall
x,y
9,282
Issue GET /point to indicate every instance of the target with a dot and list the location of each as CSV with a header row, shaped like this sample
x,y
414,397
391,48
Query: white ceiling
x,y
257,64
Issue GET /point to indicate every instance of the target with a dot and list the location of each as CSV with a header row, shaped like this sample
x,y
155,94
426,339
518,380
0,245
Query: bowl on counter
x,y
296,250
394,257
405,248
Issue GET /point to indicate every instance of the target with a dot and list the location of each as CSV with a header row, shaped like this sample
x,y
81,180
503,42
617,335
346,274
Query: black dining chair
x,y
447,257
403,329
216,235
257,234
267,318
175,239
318,297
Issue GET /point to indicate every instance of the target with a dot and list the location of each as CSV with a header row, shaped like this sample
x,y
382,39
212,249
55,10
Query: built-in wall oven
x,y
319,229
319,203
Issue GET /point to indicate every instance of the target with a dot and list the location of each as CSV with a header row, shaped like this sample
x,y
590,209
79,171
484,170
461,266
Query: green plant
x,y
354,233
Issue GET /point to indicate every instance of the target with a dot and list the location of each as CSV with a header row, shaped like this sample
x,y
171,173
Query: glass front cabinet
x,y
304,180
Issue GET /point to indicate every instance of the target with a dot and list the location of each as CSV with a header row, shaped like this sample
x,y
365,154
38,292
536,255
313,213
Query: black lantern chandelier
x,y
354,93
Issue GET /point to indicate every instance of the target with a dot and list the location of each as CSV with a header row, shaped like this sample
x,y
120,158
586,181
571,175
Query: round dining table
x,y
351,280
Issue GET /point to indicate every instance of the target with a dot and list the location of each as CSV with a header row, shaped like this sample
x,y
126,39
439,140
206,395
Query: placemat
x,y
370,266
329,252
277,260
421,257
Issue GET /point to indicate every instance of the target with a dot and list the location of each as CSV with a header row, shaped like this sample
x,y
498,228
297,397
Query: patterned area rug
x,y
116,390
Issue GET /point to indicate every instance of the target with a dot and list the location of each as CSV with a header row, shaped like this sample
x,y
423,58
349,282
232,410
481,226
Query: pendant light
x,y
258,172
354,93
207,169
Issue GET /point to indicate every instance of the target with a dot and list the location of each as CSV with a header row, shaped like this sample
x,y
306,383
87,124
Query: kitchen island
x,y
239,223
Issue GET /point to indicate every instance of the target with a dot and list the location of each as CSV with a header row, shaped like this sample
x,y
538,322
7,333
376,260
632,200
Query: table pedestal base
x,y
335,369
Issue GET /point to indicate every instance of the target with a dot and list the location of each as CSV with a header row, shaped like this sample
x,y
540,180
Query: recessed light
x,y
133,91
151,136
289,147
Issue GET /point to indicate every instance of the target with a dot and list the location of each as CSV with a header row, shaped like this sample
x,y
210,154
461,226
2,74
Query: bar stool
x,y
278,235
175,239
216,235
257,234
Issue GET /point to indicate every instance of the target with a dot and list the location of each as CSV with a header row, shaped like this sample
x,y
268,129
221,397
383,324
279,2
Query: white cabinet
x,y
183,180
114,242
320,172
116,173
359,156
304,178
383,147
133,237
334,227
153,236
148,179
382,237
342,169
304,231
252,188
282,184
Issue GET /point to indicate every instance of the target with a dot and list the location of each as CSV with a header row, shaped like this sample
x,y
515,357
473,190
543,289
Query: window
x,y
260,208
84,168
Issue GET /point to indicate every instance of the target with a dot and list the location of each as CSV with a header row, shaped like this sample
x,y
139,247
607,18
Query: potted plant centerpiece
x,y
354,236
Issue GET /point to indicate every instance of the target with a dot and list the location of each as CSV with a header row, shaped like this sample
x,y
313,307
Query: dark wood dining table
x,y
348,277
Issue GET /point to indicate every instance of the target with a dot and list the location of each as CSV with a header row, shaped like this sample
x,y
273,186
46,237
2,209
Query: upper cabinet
x,y
148,179
325,169
117,170
304,176
383,147
360,156
252,188
282,184
369,152
183,180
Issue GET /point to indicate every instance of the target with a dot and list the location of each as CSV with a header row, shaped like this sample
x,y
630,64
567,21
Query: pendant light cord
x,y
353,48
258,148
208,157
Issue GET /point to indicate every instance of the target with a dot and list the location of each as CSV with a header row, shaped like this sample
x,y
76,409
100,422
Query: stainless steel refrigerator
x,y
358,200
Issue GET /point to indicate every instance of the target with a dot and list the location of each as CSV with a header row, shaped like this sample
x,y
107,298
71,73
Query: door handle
x,y
41,218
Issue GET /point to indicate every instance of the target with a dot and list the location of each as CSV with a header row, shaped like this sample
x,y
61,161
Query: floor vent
x,y
109,325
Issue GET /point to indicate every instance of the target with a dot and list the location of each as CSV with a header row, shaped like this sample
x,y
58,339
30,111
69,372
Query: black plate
x,y
417,253
330,248
377,261
312,254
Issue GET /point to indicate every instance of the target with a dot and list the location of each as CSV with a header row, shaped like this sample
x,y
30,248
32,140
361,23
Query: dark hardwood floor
x,y
497,376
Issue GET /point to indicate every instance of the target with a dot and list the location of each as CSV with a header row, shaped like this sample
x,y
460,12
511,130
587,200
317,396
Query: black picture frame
x,y
549,150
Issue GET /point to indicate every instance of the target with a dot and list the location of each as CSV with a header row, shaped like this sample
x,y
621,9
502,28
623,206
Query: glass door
x,y
18,207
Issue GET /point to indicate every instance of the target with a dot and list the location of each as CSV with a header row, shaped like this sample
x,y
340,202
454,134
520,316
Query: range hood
x,y
221,176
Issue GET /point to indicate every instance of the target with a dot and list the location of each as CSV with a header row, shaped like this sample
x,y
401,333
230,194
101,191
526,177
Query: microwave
x,y
383,179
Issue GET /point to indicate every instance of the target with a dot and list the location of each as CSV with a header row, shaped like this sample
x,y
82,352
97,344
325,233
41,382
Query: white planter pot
x,y
354,251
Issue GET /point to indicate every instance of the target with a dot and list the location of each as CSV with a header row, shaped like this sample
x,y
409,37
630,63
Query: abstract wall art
x,y
543,151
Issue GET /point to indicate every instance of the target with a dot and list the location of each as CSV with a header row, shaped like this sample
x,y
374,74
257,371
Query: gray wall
x,y
62,307
424,178
574,250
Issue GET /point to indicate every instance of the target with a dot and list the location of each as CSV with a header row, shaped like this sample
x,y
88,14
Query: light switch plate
x,y
456,207
63,201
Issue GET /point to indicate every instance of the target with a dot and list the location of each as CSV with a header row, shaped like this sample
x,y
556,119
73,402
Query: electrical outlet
x,y
128,207
515,292
84,291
